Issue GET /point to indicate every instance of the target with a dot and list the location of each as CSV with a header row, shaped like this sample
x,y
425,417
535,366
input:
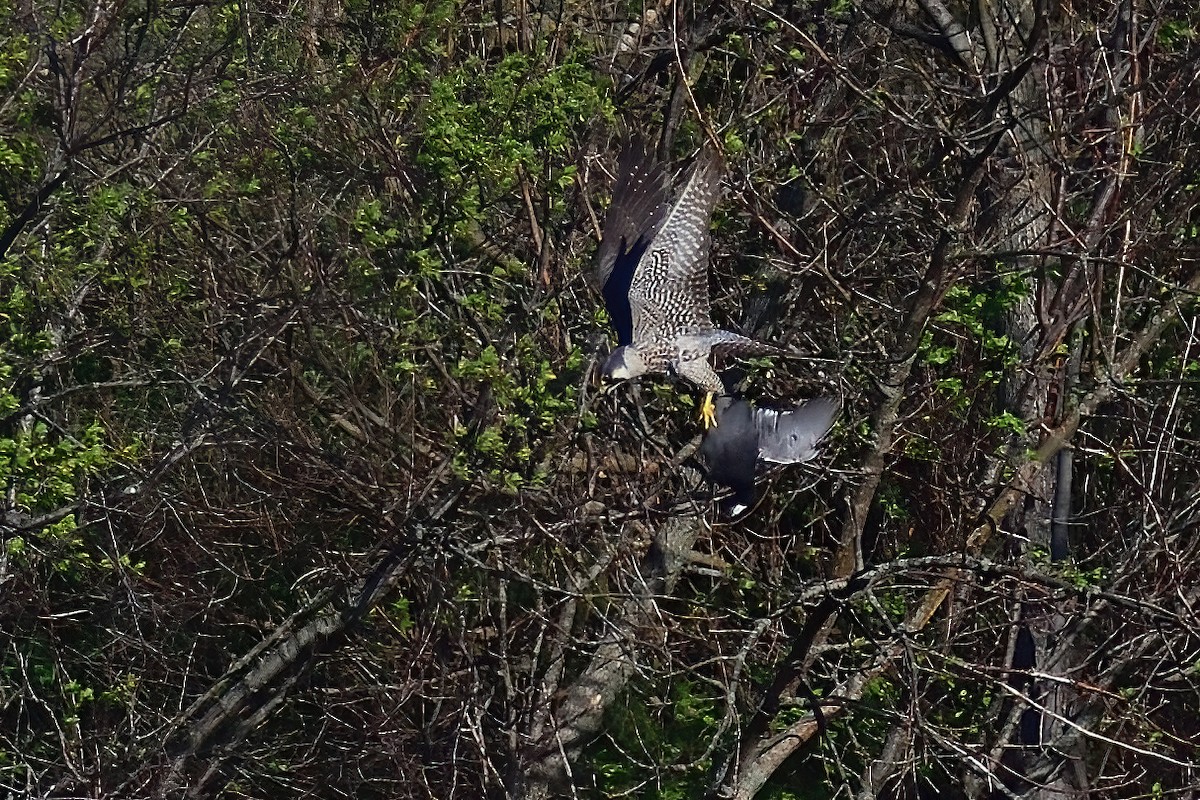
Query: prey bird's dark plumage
x,y
746,435
652,269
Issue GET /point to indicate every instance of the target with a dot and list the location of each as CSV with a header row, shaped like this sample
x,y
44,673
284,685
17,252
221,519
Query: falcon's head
x,y
623,363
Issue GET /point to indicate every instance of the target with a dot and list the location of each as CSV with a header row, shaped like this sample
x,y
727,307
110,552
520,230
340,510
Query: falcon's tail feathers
x,y
726,344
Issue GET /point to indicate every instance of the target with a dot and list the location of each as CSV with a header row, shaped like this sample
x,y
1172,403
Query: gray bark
x,y
575,721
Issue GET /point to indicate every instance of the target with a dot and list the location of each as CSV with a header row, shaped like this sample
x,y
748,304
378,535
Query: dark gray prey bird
x,y
746,435
652,269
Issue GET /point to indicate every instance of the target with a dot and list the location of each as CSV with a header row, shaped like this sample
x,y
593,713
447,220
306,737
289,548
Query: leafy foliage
x,y
307,489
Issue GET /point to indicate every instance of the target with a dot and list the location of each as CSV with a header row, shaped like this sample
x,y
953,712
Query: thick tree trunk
x,y
577,710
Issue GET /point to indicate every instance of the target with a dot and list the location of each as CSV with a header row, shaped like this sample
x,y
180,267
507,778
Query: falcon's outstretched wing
x,y
668,295
638,208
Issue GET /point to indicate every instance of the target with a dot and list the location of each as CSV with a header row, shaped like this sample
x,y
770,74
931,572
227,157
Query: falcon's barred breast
x,y
652,269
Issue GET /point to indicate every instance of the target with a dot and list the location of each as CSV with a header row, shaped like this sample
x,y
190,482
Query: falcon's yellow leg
x,y
708,411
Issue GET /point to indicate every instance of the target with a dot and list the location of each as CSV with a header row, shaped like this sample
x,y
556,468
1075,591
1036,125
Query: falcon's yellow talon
x,y
708,411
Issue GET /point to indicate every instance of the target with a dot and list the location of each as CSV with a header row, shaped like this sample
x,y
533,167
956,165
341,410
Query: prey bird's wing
x,y
792,437
745,435
668,295
638,209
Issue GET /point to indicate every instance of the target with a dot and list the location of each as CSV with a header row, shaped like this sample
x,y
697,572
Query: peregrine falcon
x,y
652,269
746,435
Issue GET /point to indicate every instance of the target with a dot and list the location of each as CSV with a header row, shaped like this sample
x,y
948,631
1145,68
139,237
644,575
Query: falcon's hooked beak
x,y
618,373
603,379
622,364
